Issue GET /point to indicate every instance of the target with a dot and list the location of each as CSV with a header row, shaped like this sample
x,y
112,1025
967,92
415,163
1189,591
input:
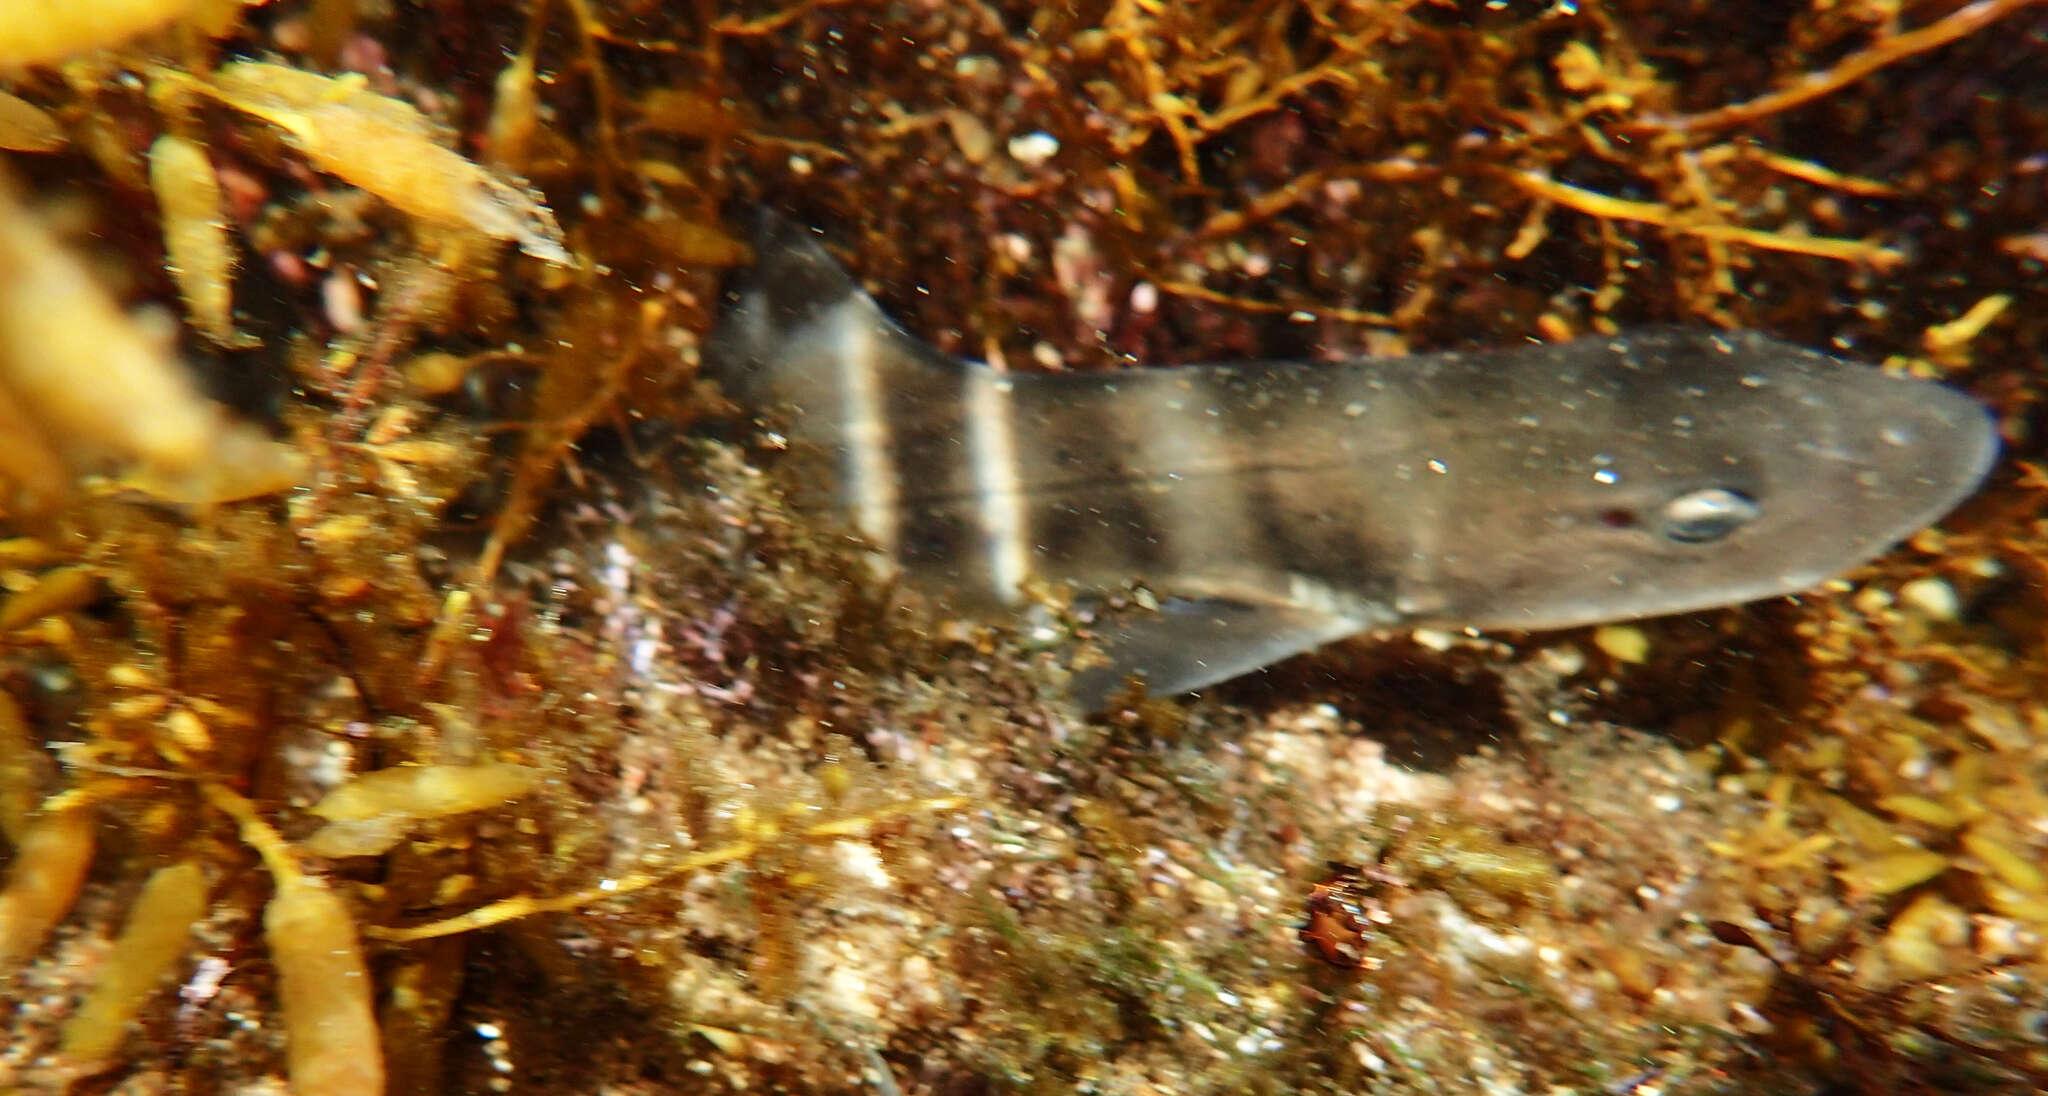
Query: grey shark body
x,y
1272,506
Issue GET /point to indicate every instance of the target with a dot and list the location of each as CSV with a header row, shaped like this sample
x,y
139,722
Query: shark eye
x,y
1708,514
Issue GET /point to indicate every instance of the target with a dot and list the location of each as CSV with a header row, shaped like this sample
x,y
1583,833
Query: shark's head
x,y
1668,471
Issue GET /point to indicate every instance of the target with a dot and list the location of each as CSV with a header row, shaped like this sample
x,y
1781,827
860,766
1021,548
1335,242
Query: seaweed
x,y
406,617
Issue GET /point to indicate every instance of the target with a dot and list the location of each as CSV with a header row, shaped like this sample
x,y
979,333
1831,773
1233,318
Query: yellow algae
x,y
427,791
243,464
375,811
1921,809
359,836
324,992
1608,207
2011,902
1854,823
680,112
32,473
1800,852
324,988
1625,643
1922,941
38,32
58,591
27,552
690,243
158,929
99,387
26,127
515,114
184,734
201,255
437,372
1892,872
43,880
1945,340
387,147
2013,869
19,771
757,838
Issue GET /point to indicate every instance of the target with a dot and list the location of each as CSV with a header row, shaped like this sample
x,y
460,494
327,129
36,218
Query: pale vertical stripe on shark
x,y
871,489
992,453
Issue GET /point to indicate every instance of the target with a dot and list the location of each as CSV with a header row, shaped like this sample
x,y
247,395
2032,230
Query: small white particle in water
x,y
1034,149
1559,717
1606,476
1439,467
1228,998
860,861
1648,893
1433,639
1144,298
1932,597
607,884
643,652
1301,316
1563,661
1666,802
342,299
799,166
489,1031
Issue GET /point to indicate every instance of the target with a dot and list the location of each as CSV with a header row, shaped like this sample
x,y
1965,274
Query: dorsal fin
x,y
797,318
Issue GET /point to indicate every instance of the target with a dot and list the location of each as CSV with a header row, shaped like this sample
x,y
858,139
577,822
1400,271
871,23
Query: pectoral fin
x,y
1192,642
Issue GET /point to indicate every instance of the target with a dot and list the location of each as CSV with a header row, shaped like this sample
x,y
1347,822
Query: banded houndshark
x,y
1271,507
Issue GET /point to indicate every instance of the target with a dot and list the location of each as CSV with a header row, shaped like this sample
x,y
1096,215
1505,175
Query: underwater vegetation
x,y
412,678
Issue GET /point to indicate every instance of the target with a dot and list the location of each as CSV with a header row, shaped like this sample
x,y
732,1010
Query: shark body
x,y
1274,506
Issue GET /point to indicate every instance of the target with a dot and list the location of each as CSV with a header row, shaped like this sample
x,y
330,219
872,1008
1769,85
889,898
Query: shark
x,y
1270,507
